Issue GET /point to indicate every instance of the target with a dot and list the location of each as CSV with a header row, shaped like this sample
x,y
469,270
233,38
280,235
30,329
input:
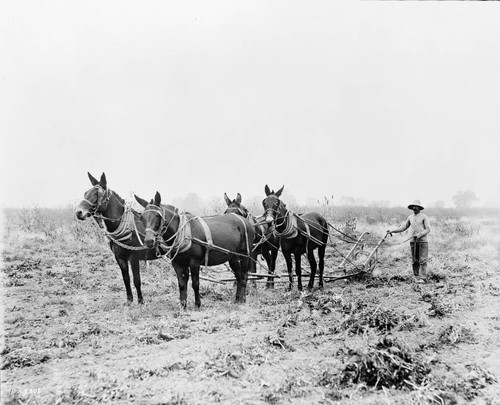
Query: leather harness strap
x,y
208,237
246,232
308,237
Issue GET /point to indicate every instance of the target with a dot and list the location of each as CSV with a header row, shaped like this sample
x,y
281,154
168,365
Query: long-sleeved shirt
x,y
419,224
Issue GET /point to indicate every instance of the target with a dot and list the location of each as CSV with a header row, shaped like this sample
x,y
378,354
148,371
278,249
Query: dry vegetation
x,y
69,337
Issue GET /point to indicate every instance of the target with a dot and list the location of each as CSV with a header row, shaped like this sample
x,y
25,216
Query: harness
x,y
290,221
180,240
125,229
208,237
209,244
127,225
291,229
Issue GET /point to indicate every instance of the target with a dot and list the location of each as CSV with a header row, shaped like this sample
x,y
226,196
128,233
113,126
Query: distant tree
x,y
439,204
345,200
361,201
289,199
214,206
253,204
192,203
380,203
464,199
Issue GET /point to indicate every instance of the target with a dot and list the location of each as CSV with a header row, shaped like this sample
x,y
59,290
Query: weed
x,y
233,363
323,304
24,358
178,399
453,334
410,322
278,340
467,381
291,387
389,364
381,319
439,307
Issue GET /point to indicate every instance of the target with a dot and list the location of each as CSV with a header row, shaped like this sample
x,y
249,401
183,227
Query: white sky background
x,y
381,100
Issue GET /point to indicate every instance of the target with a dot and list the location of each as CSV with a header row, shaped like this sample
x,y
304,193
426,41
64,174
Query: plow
x,y
362,258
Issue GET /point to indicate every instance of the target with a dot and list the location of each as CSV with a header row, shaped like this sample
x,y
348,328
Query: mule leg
x,y
321,256
123,263
313,265
288,260
272,265
298,270
267,257
182,280
240,269
134,263
195,282
247,265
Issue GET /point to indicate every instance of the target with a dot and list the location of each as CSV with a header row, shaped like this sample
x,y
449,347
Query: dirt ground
x,y
68,335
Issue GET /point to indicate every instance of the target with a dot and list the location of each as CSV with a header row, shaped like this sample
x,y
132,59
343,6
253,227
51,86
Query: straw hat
x,y
415,203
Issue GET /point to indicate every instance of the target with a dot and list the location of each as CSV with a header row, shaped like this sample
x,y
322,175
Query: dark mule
x,y
298,234
265,243
193,241
123,227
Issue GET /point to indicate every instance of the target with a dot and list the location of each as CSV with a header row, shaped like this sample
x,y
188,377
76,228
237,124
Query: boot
x,y
416,268
423,271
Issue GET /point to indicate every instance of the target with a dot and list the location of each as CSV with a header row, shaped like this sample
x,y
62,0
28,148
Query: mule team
x,y
190,241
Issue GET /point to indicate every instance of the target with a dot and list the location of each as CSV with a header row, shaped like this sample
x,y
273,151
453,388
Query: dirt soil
x,y
70,337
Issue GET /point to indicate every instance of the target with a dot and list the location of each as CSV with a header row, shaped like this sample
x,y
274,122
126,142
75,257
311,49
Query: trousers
x,y
419,254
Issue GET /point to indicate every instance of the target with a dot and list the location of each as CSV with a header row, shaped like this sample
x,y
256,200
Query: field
x,y
68,335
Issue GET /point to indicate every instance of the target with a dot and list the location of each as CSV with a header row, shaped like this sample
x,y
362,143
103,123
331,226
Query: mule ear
x,y
157,199
103,181
266,189
93,180
278,193
144,203
226,199
238,198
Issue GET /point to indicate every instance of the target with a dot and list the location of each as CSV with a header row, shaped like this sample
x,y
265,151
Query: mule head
x,y
95,199
273,206
152,218
234,206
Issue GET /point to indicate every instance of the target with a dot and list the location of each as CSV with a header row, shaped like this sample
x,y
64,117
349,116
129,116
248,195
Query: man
x,y
420,227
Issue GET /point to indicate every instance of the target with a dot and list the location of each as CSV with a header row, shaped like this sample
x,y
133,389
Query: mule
x,y
299,234
191,241
123,228
265,243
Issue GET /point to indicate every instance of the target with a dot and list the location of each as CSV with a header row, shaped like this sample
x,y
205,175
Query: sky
x,y
377,100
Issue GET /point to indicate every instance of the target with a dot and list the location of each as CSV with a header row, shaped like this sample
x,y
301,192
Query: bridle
x,y
95,209
160,211
278,211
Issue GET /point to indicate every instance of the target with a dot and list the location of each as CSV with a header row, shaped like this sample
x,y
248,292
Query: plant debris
x,y
389,364
384,320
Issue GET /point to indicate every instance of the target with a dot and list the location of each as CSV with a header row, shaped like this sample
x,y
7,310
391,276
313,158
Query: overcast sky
x,y
382,100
